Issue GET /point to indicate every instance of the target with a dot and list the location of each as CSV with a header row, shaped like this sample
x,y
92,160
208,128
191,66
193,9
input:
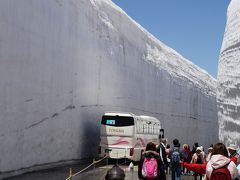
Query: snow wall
x,y
65,62
228,88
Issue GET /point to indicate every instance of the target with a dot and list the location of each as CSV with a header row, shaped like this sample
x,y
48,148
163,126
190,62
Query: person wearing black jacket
x,y
161,150
195,147
149,153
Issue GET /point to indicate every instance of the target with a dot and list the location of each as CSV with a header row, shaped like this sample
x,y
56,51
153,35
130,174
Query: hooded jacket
x,y
162,175
218,161
195,158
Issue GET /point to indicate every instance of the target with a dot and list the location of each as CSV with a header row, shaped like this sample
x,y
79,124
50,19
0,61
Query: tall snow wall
x,y
228,88
65,62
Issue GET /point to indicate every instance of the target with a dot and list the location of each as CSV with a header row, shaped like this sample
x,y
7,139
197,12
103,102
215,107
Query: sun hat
x,y
233,147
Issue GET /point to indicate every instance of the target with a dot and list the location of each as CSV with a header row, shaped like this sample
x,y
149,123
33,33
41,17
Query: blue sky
x,y
194,28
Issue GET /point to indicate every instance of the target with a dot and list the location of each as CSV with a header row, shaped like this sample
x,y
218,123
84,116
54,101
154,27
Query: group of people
x,y
220,162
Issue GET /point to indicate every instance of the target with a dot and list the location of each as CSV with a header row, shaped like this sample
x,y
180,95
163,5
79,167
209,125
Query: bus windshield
x,y
117,121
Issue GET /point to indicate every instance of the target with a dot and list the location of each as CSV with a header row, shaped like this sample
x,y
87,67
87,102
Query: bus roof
x,y
126,114
148,118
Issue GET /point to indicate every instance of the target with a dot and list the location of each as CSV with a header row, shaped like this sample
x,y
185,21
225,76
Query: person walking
x,y
195,147
176,157
209,154
168,159
232,149
187,157
151,165
220,162
161,149
198,158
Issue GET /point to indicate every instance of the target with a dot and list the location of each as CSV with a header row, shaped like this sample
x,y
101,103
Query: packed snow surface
x,y
228,89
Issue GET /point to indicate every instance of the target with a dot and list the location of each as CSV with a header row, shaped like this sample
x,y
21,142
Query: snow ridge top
x,y
164,57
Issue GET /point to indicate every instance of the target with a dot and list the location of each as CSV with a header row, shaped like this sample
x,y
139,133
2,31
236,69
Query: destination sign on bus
x,y
110,122
116,130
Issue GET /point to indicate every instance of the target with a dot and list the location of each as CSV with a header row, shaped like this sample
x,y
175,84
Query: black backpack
x,y
175,158
199,159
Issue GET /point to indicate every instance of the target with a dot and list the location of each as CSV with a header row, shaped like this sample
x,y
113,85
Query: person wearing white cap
x,y
232,149
198,158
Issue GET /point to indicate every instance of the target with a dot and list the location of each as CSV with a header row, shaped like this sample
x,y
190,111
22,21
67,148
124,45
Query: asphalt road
x,y
98,173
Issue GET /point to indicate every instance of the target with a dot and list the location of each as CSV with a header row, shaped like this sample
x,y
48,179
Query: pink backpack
x,y
150,168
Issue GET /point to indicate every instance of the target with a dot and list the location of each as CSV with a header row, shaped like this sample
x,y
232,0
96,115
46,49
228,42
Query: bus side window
x,y
156,128
139,127
150,128
144,128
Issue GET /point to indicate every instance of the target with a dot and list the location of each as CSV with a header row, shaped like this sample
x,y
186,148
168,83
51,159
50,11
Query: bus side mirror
x,y
161,133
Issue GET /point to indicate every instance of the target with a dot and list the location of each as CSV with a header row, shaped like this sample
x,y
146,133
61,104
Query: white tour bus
x,y
125,135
